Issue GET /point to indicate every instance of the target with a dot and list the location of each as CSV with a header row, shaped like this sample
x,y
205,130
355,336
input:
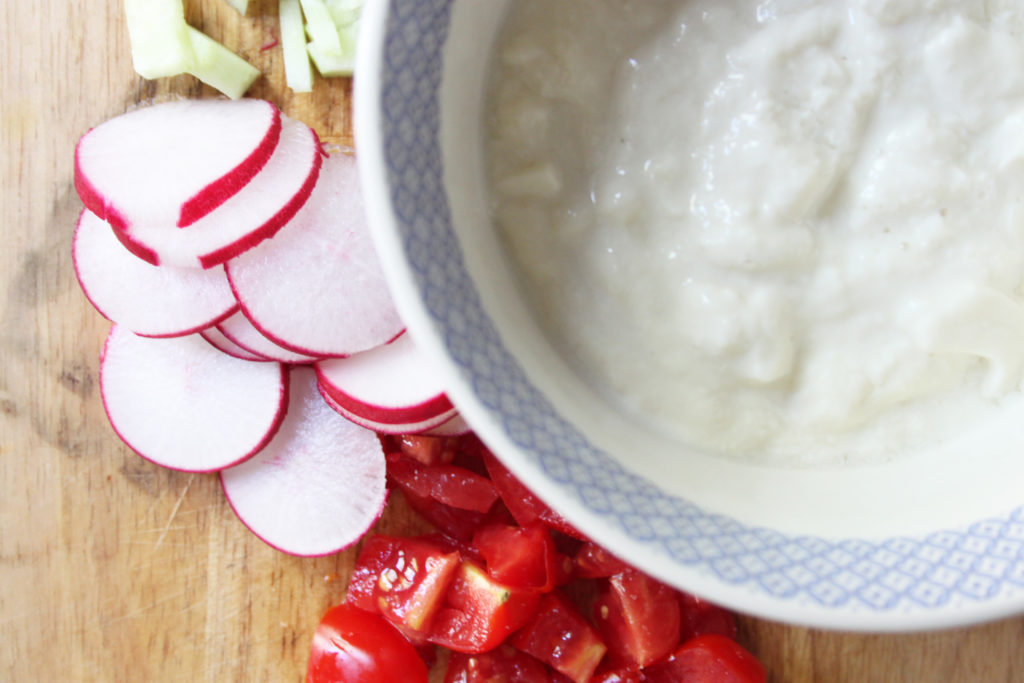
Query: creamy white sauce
x,y
790,231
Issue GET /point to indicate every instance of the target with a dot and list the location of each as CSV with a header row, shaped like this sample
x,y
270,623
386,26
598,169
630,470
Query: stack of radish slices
x,y
254,334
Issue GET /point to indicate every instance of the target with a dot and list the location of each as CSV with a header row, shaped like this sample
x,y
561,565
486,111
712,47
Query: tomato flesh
x,y
355,646
560,636
620,675
525,507
594,562
451,485
710,658
404,579
428,450
519,556
502,665
638,617
699,617
479,612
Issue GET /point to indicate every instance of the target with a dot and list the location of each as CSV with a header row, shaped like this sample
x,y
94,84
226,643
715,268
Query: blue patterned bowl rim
x,y
944,578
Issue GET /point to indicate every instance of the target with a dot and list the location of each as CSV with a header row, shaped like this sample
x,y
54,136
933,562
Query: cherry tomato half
x,y
404,579
502,665
559,636
519,556
711,658
355,646
638,618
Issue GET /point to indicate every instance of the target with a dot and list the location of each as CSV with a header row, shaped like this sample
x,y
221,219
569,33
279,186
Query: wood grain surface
x,y
112,569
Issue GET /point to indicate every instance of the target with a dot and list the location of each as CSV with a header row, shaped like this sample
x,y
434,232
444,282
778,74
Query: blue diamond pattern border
x,y
974,564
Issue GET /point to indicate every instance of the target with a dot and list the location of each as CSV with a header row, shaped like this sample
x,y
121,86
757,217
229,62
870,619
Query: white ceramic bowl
x,y
924,542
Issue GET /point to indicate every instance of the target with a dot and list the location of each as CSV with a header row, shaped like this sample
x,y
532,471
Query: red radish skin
x,y
456,426
217,339
239,330
392,384
151,301
318,486
214,194
317,286
193,154
184,405
387,428
253,214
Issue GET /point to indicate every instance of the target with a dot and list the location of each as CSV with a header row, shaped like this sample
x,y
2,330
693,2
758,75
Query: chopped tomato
x,y
525,507
710,658
355,646
594,562
519,556
458,524
428,450
638,617
466,549
404,579
502,665
479,612
699,617
560,636
448,484
620,675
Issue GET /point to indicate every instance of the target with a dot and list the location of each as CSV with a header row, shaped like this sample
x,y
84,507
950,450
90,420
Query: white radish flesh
x,y
387,427
393,383
217,339
318,486
172,163
152,301
185,405
252,215
239,330
317,287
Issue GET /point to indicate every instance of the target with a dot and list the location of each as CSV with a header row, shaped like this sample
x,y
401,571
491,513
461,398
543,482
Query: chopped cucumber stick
x,y
298,72
159,38
333,46
330,63
345,12
320,26
219,67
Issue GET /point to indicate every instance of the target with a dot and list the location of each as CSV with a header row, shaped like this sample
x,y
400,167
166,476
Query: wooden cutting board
x,y
112,569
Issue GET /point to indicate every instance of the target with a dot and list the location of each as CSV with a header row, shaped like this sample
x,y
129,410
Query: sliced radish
x,y
386,427
171,164
392,384
185,405
317,287
217,339
318,486
239,330
250,216
456,426
152,301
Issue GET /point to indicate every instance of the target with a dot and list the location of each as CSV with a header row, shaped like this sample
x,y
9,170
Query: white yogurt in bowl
x,y
789,232
933,537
